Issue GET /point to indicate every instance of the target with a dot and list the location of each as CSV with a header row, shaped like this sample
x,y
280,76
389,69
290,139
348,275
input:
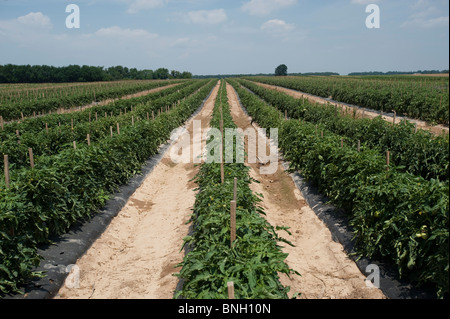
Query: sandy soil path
x,y
136,255
327,272
437,129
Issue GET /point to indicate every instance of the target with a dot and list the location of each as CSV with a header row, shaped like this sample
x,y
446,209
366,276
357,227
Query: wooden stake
x,y
132,120
118,129
153,115
235,190
18,136
232,222
89,140
230,285
6,162
359,146
388,159
111,130
74,145
30,151
46,128
222,169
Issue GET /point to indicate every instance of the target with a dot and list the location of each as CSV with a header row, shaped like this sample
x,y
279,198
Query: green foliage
x,y
420,98
255,259
72,185
395,215
59,137
74,73
281,70
14,105
419,153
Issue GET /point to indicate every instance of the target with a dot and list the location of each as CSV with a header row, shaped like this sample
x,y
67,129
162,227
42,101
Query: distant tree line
x,y
398,72
220,76
315,74
74,73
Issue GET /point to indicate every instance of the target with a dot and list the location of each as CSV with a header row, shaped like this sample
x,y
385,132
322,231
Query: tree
x,y
281,70
161,74
186,75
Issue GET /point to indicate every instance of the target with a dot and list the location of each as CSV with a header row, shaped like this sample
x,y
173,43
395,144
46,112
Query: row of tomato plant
x,y
396,217
71,186
420,153
57,137
428,102
254,260
15,109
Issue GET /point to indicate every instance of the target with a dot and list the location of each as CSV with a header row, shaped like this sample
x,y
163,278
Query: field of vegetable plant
x,y
253,259
391,180
418,152
69,184
20,101
396,215
424,98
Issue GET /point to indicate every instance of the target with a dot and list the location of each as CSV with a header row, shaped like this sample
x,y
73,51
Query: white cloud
x,y
365,2
139,5
206,17
25,30
427,22
277,26
35,20
426,15
118,32
266,7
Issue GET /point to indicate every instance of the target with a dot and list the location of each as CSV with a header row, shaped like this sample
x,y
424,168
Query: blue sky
x,y
228,37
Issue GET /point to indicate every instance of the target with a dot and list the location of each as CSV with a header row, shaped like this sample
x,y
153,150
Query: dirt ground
x,y
326,271
135,257
436,129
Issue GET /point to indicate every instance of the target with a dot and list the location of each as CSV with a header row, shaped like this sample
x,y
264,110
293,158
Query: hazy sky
x,y
228,37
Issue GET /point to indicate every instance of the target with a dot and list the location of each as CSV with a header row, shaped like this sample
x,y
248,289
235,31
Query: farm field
x,y
421,98
389,179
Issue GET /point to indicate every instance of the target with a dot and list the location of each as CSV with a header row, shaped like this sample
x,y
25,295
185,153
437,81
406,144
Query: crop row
x,y
425,101
396,216
253,260
72,185
60,130
15,108
419,152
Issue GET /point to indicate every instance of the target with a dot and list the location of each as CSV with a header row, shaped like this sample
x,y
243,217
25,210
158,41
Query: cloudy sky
x,y
228,37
